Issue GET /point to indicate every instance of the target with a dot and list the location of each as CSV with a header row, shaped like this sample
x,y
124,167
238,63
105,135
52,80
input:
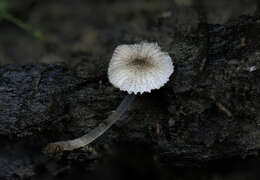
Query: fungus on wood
x,y
135,68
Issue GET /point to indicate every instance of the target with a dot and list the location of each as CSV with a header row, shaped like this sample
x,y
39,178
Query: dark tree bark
x,y
209,109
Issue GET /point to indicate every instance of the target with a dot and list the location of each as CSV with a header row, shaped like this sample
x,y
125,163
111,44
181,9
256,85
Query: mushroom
x,y
135,68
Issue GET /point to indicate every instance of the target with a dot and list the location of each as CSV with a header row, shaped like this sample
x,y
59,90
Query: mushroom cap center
x,y
140,63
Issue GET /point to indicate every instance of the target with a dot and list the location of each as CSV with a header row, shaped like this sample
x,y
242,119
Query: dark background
x,y
96,27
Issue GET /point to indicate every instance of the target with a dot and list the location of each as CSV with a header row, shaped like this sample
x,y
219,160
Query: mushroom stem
x,y
93,134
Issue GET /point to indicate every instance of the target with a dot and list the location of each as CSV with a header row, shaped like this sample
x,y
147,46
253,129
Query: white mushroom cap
x,y
139,68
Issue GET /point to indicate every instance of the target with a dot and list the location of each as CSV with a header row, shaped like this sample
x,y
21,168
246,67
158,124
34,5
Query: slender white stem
x,y
93,134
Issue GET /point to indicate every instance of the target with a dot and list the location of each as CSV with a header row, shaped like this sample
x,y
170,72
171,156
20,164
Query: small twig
x,y
93,134
37,82
224,109
36,34
203,63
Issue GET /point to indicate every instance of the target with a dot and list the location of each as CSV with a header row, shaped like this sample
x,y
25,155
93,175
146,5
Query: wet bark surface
x,y
206,116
